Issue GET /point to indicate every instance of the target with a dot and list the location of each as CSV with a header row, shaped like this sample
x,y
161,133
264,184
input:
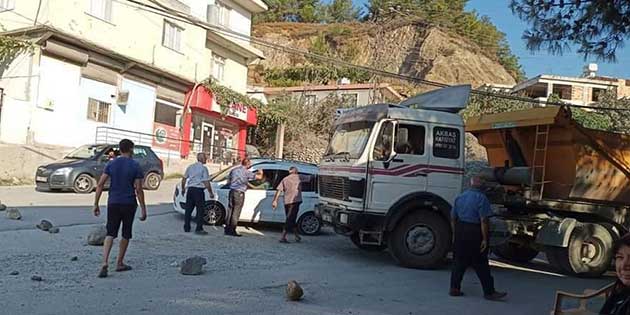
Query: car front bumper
x,y
49,182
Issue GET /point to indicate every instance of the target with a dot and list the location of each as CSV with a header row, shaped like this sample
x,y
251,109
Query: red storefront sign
x,y
166,137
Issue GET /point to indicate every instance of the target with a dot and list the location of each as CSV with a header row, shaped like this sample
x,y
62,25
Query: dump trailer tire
x,y
420,240
368,248
515,252
589,253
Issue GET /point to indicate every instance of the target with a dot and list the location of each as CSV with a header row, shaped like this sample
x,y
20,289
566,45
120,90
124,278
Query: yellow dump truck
x,y
560,188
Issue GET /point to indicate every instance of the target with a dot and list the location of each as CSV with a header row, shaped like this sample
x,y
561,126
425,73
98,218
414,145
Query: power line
x,y
188,19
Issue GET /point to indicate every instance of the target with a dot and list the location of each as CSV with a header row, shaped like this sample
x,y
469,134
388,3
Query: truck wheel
x,y
420,240
515,252
589,253
370,248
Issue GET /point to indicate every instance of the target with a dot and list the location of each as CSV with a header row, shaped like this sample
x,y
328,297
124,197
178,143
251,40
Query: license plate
x,y
41,179
343,218
327,218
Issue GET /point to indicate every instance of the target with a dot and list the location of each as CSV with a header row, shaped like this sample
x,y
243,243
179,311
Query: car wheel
x,y
215,213
309,224
83,184
152,181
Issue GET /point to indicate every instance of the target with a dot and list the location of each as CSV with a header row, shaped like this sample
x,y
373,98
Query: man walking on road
x,y
196,179
126,185
238,179
292,188
469,219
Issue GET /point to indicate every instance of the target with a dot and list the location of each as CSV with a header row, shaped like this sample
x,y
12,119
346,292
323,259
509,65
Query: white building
x,y
118,66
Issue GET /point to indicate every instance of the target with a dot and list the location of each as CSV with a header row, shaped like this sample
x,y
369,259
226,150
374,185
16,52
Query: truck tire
x,y
589,253
515,252
420,240
370,248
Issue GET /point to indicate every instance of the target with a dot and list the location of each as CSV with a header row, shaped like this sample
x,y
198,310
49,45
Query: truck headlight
x,y
63,171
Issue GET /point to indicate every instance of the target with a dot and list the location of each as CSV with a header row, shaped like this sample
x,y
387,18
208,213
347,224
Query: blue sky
x,y
569,64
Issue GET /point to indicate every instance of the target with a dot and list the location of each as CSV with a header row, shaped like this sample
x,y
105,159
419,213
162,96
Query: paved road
x,y
244,276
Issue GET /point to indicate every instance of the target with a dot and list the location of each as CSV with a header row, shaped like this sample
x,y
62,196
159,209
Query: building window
x,y
350,99
596,94
172,37
219,14
98,111
446,142
310,100
218,67
101,9
165,114
562,91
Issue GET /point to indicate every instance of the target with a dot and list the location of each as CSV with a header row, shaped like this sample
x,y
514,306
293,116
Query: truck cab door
x,y
447,161
398,164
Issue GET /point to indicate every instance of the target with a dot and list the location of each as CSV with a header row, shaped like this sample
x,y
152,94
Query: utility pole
x,y
280,141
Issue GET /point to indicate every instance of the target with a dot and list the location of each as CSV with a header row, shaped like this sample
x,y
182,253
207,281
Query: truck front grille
x,y
335,187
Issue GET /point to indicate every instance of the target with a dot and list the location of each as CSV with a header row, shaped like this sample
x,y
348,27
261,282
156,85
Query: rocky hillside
x,y
407,48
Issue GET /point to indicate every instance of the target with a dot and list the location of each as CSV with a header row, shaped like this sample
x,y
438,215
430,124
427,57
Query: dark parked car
x,y
81,169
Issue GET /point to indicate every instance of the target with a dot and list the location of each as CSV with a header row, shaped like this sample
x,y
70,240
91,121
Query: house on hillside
x,y
581,91
101,70
351,95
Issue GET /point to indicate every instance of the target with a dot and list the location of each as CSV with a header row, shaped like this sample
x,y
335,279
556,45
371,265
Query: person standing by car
x,y
291,186
469,220
238,179
196,179
126,186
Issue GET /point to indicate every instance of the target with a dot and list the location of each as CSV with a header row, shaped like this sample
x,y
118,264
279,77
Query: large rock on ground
x,y
294,291
192,266
44,225
97,236
3,207
14,214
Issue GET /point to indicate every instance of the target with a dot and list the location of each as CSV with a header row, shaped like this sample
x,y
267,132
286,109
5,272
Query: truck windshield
x,y
349,139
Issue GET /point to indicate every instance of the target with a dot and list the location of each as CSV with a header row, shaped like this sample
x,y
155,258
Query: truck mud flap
x,y
556,233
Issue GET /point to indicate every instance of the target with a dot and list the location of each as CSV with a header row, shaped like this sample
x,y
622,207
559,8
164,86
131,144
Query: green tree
x,y
340,11
596,27
9,49
305,11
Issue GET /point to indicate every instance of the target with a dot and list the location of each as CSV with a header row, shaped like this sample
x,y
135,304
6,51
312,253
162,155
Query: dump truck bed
x,y
567,161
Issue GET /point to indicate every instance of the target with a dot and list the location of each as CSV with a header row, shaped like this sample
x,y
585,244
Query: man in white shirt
x,y
196,179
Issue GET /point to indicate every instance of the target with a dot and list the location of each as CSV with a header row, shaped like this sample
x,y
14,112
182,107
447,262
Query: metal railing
x,y
217,154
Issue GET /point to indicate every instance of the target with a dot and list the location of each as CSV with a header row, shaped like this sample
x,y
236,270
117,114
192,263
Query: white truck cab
x,y
392,172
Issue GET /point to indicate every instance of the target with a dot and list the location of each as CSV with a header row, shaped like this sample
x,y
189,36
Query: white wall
x,y
139,112
19,86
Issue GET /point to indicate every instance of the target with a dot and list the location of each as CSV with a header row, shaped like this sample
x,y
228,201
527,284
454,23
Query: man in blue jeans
x,y
238,179
126,185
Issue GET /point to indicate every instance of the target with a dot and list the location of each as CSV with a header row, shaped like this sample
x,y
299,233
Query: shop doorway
x,y
207,139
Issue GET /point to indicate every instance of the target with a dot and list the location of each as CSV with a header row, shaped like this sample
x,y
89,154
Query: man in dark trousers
x,y
291,186
126,185
238,179
196,179
469,219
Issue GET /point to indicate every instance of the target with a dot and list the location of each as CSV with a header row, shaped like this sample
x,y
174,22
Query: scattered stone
x,y
97,236
74,258
44,225
3,207
36,278
53,230
14,273
193,266
294,291
14,214
174,264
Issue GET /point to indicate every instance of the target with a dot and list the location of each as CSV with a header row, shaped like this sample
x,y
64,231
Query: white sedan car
x,y
258,198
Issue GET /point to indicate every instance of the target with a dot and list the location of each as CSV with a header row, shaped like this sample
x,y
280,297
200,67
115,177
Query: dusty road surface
x,y
244,275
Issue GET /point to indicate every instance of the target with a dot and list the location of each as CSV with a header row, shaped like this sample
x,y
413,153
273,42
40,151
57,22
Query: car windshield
x,y
86,152
350,139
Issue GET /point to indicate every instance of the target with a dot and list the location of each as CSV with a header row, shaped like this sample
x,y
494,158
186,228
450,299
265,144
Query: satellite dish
x,y
449,99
